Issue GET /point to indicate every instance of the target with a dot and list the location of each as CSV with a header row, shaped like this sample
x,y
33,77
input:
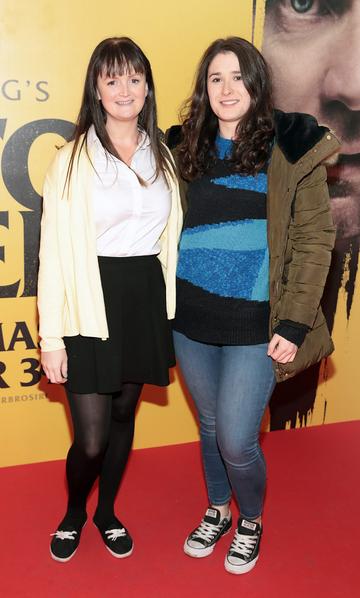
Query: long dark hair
x,y
114,56
254,133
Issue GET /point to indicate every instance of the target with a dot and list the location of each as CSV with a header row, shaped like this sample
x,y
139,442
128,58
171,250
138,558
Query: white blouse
x,y
129,217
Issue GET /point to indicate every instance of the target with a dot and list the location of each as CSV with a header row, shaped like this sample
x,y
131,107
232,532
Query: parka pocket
x,y
317,345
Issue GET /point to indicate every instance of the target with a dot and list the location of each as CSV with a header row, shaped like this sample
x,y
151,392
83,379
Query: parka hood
x,y
296,134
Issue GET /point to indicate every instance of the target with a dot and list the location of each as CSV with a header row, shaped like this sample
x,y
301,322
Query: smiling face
x,y
313,48
122,96
228,96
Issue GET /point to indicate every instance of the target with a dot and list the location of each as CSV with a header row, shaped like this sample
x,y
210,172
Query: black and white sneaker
x,y
66,540
201,542
244,550
116,538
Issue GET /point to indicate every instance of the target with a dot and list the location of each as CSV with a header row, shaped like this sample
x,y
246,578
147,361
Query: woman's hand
x,y
281,350
54,364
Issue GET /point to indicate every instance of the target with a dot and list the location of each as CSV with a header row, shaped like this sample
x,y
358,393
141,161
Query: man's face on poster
x,y
313,48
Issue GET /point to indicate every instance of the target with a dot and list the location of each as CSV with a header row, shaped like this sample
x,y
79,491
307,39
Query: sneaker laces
x,y
206,531
61,535
114,534
243,544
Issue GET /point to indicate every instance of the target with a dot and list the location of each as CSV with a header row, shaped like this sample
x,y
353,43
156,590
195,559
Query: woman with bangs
x,y
109,234
253,260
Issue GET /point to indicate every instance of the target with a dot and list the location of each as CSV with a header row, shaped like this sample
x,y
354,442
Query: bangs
x,y
119,59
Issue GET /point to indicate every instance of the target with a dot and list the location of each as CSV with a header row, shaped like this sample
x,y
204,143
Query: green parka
x,y
301,233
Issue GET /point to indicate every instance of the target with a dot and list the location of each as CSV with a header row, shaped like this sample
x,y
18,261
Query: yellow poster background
x,y
45,48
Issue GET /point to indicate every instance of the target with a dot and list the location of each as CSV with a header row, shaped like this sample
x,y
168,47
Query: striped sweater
x,y
223,269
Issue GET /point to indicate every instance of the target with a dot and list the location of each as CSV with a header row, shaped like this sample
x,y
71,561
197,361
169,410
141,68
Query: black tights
x,y
103,434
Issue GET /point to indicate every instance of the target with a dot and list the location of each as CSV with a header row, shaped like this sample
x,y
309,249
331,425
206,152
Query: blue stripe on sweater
x,y
256,183
238,235
229,259
223,147
237,274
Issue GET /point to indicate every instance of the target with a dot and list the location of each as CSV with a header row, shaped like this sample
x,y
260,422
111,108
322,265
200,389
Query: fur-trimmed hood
x,y
297,134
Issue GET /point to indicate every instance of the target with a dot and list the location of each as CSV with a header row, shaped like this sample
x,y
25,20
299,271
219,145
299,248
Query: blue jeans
x,y
231,386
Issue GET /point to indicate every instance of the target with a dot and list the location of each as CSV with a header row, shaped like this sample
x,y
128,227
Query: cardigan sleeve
x,y
51,290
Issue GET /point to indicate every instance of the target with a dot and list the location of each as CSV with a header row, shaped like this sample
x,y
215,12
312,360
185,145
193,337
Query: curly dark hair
x,y
255,131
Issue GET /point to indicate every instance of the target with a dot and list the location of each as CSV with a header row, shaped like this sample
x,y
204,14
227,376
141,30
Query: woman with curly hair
x,y
254,257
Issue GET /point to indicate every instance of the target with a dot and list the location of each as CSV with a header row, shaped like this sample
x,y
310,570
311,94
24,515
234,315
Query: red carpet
x,y
310,545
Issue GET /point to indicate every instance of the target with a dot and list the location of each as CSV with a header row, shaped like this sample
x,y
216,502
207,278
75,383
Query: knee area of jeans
x,y
207,429
239,453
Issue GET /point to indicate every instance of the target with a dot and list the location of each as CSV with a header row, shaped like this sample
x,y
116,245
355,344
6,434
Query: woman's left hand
x,y
281,350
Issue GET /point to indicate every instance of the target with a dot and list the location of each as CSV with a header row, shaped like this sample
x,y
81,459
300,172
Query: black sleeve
x,y
292,331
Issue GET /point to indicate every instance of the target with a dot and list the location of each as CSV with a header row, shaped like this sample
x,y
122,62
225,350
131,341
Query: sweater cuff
x,y
292,331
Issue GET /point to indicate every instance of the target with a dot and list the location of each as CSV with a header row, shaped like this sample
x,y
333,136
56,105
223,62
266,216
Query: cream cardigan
x,y
70,297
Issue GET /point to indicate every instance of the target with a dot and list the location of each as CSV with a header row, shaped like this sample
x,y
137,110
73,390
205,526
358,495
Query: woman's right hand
x,y
54,364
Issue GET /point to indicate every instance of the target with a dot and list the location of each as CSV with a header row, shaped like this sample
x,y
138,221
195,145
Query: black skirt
x,y
139,348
